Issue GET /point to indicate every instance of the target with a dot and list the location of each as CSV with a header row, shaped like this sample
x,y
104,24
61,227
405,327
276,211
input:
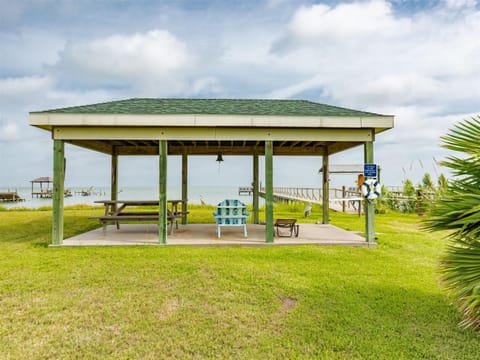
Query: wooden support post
x,y
162,211
369,205
114,177
325,187
58,191
255,187
344,196
184,186
269,191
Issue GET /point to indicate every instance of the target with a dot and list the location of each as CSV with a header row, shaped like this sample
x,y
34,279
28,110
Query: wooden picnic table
x,y
116,211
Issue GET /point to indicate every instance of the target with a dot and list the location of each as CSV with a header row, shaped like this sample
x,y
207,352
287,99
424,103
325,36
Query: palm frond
x,y
460,268
458,210
464,137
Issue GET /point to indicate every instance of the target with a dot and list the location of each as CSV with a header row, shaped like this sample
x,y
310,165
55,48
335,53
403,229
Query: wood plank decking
x,y
342,199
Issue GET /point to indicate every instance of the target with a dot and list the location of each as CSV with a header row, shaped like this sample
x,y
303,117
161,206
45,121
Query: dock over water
x,y
345,200
246,190
10,196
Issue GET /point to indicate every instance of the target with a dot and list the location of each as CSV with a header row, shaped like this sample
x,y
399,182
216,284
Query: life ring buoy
x,y
371,189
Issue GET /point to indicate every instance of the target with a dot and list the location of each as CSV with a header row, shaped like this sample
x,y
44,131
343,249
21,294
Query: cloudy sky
x,y
415,59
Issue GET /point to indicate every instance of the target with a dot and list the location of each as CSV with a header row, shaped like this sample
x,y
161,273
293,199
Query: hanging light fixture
x,y
219,160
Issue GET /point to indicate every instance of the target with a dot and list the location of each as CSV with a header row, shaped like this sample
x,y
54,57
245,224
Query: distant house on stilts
x,y
45,191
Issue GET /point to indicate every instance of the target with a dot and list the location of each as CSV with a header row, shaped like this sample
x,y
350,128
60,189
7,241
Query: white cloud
x,y
381,59
18,92
11,11
119,59
272,4
455,4
14,86
420,66
361,54
29,51
292,90
205,85
30,93
393,89
346,20
8,131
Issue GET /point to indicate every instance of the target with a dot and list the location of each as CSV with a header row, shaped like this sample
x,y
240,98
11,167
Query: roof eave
x,y
48,120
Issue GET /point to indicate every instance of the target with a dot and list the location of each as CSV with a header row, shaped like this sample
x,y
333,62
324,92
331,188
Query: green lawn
x,y
235,302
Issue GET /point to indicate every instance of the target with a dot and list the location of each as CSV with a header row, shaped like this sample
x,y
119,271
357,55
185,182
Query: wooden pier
x,y
48,193
43,194
89,192
10,196
247,190
345,200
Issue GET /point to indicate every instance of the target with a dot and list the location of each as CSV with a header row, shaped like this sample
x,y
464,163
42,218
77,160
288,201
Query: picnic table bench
x,y
114,212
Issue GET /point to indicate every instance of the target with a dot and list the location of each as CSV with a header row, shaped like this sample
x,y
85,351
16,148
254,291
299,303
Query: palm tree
x,y
458,210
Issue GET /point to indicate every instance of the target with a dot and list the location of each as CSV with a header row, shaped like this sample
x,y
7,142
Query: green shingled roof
x,y
212,107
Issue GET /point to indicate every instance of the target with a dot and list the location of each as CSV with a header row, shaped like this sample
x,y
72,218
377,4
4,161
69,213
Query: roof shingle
x,y
254,107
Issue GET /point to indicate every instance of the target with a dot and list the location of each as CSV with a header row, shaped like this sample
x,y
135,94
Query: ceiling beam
x,y
337,147
93,145
194,148
211,134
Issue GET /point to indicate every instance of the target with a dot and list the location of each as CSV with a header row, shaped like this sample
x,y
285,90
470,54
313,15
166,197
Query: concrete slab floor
x,y
205,235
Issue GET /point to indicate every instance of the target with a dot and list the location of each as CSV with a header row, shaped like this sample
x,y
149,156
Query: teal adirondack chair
x,y
231,213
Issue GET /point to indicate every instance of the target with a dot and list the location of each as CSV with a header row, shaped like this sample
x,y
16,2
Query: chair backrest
x,y
231,212
232,203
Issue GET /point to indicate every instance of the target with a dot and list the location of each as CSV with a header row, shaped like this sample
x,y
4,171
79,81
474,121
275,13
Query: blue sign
x,y
370,170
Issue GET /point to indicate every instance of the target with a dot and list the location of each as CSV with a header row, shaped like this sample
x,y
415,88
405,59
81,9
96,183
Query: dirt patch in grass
x,y
169,307
286,304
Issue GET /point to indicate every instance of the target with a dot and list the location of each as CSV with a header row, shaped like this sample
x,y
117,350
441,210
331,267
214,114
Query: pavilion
x,y
40,181
186,127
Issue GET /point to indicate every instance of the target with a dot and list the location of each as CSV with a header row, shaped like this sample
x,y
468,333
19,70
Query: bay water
x,y
211,195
